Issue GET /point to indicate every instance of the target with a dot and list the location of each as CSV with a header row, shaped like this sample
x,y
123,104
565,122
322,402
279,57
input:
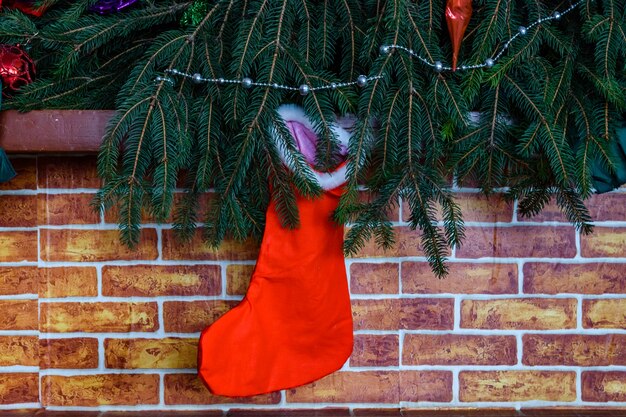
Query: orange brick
x,y
18,211
99,317
455,349
171,352
97,390
375,350
185,389
574,349
18,246
68,282
607,207
18,280
193,316
18,315
155,280
604,242
72,353
604,386
61,209
517,386
293,412
19,350
238,278
463,278
410,313
16,388
518,242
111,214
477,207
368,278
408,243
433,386
74,245
522,313
26,178
592,278
68,172
550,213
604,314
197,249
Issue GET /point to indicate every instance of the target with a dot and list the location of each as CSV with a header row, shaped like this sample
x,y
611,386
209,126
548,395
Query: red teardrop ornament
x,y
16,68
458,14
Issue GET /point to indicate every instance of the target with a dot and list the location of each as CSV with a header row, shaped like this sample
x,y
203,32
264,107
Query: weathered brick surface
x,y
409,313
188,389
591,278
67,172
193,316
517,386
600,386
604,314
604,242
453,349
432,386
238,278
408,243
19,388
78,245
98,390
99,317
19,350
370,278
550,213
70,353
463,278
521,313
62,282
574,349
375,350
62,209
18,315
18,280
197,249
18,211
18,246
607,207
480,208
170,352
26,178
157,280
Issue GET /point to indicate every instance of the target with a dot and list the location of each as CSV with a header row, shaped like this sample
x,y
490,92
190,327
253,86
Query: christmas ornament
x,y
16,68
27,6
295,324
104,7
458,14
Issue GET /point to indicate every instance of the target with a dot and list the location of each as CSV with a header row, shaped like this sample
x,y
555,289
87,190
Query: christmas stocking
x,y
294,325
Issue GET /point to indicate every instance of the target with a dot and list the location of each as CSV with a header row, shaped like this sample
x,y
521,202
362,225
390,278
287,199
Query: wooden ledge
x,y
53,131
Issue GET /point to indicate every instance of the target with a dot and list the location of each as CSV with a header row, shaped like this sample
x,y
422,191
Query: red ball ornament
x,y
458,14
25,6
16,68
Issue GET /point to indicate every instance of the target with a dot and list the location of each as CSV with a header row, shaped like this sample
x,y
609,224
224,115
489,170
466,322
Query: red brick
x,y
68,172
18,315
604,242
408,243
18,210
514,386
238,278
393,214
294,412
518,242
592,278
521,313
375,350
550,213
19,350
71,353
77,245
18,280
193,316
604,386
98,390
99,317
607,207
156,280
18,246
455,349
408,314
26,178
61,209
604,314
171,352
16,388
463,278
186,389
574,349
197,249
368,278
68,282
432,386
478,207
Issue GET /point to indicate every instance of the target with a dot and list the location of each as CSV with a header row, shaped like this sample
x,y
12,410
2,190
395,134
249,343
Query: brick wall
x,y
531,315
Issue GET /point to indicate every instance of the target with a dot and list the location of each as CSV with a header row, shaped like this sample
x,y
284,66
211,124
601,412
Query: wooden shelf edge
x,y
53,131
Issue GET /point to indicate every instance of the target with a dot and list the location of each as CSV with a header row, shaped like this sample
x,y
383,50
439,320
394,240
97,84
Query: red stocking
x,y
294,325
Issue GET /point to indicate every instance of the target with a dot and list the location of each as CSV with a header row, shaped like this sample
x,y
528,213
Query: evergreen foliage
x,y
534,123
